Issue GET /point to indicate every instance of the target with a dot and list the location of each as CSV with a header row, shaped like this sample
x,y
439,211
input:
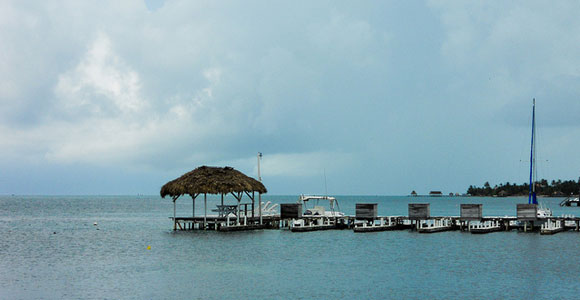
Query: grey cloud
x,y
416,90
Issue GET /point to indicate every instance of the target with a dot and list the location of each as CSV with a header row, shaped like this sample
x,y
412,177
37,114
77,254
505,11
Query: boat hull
x,y
485,230
374,228
313,228
242,228
551,231
434,229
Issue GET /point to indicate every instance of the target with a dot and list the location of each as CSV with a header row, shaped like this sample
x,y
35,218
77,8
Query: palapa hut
x,y
214,180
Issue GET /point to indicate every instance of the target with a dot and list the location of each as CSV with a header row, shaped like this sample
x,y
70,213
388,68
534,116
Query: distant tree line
x,y
543,188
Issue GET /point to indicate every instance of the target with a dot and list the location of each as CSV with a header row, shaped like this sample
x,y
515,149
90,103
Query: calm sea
x,y
51,249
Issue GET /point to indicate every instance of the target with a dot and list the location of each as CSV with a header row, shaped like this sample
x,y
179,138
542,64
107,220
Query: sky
x,y
341,97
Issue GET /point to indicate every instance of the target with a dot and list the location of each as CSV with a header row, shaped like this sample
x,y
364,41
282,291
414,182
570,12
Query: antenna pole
x,y
259,156
325,187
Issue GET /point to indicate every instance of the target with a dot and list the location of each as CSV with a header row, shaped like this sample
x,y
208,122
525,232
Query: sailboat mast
x,y
532,194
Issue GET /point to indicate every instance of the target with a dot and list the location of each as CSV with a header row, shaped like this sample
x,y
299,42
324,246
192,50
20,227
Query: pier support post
x,y
205,211
174,213
260,206
253,209
174,222
238,213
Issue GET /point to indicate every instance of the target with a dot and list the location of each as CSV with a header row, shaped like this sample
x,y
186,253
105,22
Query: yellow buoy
x,y
148,247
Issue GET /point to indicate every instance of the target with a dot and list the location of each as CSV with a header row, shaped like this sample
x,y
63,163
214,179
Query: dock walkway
x,y
549,225
419,219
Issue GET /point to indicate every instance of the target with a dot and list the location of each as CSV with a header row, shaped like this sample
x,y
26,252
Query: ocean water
x,y
51,249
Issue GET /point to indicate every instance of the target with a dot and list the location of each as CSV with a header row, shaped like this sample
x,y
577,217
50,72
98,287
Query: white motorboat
x,y
318,210
317,217
543,211
569,201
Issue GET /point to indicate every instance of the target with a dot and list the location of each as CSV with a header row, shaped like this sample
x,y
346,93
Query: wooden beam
x,y
237,196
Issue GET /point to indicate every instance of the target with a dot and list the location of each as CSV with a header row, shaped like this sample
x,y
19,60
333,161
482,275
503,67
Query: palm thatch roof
x,y
212,180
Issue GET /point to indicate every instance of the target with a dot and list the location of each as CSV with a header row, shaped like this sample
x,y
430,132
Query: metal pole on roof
x,y
259,156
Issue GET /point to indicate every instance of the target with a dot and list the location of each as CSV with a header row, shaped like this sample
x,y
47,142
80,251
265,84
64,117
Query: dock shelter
x,y
218,181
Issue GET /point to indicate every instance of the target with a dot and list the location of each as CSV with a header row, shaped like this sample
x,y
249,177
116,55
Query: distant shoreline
x,y
542,188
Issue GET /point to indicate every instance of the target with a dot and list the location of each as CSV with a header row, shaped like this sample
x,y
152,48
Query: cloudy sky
x,y
384,97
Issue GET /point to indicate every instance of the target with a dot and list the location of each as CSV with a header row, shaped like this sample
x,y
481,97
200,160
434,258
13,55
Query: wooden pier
x,y
486,227
419,219
315,223
367,220
214,222
249,216
434,224
379,224
552,227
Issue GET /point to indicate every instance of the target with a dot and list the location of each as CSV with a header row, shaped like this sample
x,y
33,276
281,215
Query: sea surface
x,y
50,248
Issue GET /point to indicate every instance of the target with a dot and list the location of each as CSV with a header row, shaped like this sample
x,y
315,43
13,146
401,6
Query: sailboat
x,y
542,211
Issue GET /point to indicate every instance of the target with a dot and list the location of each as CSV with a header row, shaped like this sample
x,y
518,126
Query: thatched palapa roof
x,y
212,180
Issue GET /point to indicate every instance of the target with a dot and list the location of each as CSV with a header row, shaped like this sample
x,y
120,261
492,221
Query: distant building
x,y
450,194
435,193
414,194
